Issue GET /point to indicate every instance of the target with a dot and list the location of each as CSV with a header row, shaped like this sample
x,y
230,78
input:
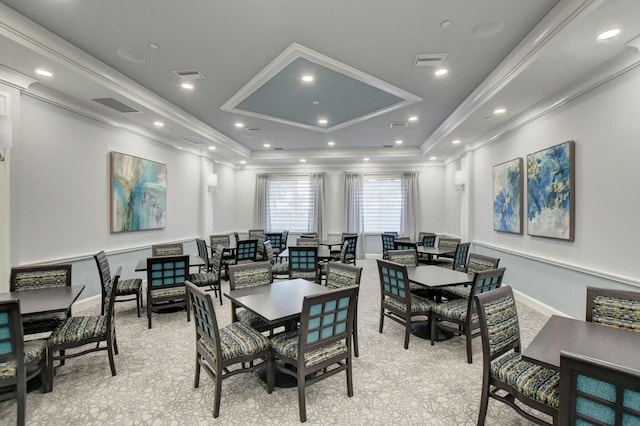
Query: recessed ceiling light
x,y
323,121
158,123
606,35
44,73
413,118
331,143
187,86
239,125
212,148
267,145
243,162
499,111
398,141
432,158
316,102
365,159
455,142
441,72
307,78
445,23
154,45
302,160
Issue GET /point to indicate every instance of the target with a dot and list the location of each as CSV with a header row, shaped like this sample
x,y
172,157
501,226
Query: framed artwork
x,y
138,193
550,192
507,196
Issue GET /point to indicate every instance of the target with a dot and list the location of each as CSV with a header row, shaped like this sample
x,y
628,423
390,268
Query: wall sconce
x,y
212,181
459,178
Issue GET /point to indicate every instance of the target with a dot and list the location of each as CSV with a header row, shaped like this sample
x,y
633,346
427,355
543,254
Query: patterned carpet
x,y
424,385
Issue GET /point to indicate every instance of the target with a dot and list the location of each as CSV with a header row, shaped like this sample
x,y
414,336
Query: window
x,y
289,204
382,204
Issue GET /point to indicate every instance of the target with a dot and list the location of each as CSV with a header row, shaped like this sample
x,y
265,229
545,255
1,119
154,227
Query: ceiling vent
x,y
278,149
196,140
253,129
387,146
116,105
392,125
429,59
189,75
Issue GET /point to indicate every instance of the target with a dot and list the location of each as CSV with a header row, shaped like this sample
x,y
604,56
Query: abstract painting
x,y
138,193
550,192
507,196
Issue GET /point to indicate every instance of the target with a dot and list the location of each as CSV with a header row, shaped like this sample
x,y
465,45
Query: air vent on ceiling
x,y
278,149
387,146
429,59
253,129
392,125
113,104
196,140
189,75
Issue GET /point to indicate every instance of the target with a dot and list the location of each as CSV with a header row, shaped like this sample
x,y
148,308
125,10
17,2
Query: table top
x,y
435,276
323,252
45,299
435,250
612,345
277,302
193,261
330,243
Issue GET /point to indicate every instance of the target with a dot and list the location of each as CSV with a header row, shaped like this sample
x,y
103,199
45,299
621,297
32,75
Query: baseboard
x,y
89,302
537,305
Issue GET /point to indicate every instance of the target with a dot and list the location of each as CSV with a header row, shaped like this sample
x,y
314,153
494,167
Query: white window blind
x,y
382,204
289,204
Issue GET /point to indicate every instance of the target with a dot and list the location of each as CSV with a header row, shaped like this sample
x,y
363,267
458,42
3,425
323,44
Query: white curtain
x,y
353,188
317,186
260,209
410,224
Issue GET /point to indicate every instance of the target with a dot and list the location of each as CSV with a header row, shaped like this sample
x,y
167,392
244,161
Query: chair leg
x,y
138,302
484,402
149,313
434,329
355,341
271,372
115,342
21,391
301,397
349,378
469,352
407,333
50,369
218,389
381,318
196,377
112,362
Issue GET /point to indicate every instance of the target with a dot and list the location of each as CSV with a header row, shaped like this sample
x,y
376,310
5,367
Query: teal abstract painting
x,y
138,193
507,196
550,192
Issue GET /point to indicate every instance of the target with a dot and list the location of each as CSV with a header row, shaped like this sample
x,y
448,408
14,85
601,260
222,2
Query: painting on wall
x,y
138,193
507,196
550,192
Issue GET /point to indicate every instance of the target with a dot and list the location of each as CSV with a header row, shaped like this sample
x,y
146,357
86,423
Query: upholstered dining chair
x,y
172,249
321,346
405,245
459,260
308,242
340,275
504,371
211,275
20,361
126,290
475,263
593,392
403,257
26,278
249,275
397,302
462,312
225,352
347,253
614,308
303,263
225,241
447,242
87,331
284,241
275,238
427,239
278,269
165,283
258,234
387,244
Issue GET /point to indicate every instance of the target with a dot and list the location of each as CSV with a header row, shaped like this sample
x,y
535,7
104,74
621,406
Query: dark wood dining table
x,y
193,261
608,344
45,300
434,251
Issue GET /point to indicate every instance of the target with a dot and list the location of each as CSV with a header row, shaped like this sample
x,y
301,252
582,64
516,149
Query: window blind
x,y
382,204
289,204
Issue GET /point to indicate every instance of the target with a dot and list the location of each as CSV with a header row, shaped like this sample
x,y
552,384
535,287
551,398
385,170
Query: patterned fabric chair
x,y
459,261
614,308
277,268
249,275
126,290
403,257
27,278
321,347
20,361
91,331
448,242
387,244
340,275
503,367
211,276
592,392
173,249
258,234
218,350
246,252
462,312
309,235
348,252
283,241
165,283
428,239
275,238
225,241
405,245
397,301
475,263
308,242
303,263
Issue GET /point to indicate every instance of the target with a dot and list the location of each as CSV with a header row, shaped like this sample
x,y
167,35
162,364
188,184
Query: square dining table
x,y
323,253
45,300
432,276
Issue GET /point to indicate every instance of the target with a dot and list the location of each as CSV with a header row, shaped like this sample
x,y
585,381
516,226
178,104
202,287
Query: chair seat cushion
x,y
33,350
280,268
457,292
455,309
286,344
130,286
418,304
251,319
303,274
202,279
531,380
236,340
77,329
165,293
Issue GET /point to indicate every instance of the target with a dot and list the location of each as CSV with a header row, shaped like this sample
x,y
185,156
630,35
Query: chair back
x,y
167,271
236,236
342,275
223,239
349,246
303,262
614,308
405,245
402,239
104,272
597,393
387,243
205,321
283,241
173,249
268,252
499,326
11,337
249,275
308,242
448,242
42,276
246,250
309,235
478,263
326,319
394,233
403,257
460,257
394,282
275,239
202,252
428,240
216,260
257,234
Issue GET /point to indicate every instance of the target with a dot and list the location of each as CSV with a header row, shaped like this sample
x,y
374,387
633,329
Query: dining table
x,y
45,300
608,344
434,251
324,253
194,260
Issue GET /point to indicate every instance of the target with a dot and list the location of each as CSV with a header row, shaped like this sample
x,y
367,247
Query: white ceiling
x,y
523,55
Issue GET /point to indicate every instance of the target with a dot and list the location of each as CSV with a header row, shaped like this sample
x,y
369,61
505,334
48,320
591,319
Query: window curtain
x,y
410,224
316,181
260,205
353,188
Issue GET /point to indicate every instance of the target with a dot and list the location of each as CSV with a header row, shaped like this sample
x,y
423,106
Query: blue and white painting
x,y
138,193
550,192
507,196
